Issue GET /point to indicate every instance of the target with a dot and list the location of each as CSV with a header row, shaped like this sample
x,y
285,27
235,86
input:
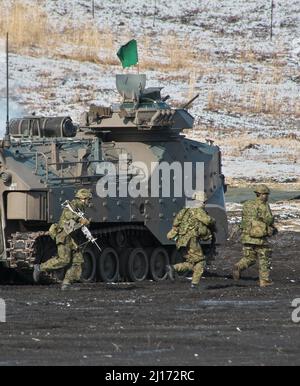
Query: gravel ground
x,y
149,323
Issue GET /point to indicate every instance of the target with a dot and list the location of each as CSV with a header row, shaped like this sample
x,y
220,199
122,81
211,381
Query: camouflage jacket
x,y
66,216
257,222
192,222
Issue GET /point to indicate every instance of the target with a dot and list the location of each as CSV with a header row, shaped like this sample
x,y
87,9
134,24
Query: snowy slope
x,y
237,70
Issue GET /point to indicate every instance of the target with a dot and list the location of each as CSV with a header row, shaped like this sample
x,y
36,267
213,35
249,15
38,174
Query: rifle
x,y
84,229
213,249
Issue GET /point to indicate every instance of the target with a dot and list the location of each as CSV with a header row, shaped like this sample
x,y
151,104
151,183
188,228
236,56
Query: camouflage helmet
x,y
199,196
83,193
262,189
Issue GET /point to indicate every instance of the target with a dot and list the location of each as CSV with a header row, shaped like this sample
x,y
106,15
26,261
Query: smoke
x,y
15,111
2,116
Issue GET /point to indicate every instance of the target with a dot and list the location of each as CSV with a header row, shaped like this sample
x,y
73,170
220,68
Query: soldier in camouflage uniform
x,y
257,225
190,226
69,255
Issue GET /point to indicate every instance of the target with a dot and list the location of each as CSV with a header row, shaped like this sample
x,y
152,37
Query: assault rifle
x,y
213,249
83,228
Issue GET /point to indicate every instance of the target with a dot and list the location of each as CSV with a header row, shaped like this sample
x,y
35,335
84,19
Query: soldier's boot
x,y
36,273
265,283
69,287
236,272
65,286
170,272
194,287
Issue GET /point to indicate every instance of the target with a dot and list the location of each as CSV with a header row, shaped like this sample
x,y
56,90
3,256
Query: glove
x,y
172,234
84,221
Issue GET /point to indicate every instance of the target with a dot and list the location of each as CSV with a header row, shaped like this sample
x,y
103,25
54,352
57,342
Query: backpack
x,y
179,217
173,233
182,221
189,222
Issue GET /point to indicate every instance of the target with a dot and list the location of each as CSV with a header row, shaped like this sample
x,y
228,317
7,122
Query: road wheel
x,y
137,265
108,265
118,239
89,266
158,261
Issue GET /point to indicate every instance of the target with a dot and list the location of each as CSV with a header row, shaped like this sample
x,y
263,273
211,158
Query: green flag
x,y
128,54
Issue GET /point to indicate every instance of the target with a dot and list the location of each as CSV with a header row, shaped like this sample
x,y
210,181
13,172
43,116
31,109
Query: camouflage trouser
x,y
252,253
69,257
195,261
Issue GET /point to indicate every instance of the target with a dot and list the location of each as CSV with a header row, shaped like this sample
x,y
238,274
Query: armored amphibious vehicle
x,y
44,160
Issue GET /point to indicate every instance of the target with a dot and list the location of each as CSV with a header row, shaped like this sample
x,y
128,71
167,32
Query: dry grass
x,y
90,44
259,100
30,28
30,31
295,107
213,103
176,57
249,54
26,27
287,142
237,144
180,54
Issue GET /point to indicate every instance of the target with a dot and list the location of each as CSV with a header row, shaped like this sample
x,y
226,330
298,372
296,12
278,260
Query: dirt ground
x,y
149,323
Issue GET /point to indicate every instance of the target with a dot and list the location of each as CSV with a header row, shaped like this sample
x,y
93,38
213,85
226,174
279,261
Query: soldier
x,y
69,255
257,225
190,226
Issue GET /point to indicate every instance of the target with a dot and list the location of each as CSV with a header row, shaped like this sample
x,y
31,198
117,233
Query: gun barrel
x,y
97,245
190,101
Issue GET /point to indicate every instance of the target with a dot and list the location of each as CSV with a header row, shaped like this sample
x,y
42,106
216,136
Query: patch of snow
x,y
224,31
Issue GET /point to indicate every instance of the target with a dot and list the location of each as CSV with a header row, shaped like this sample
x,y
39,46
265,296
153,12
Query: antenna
x,y
7,87
7,136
